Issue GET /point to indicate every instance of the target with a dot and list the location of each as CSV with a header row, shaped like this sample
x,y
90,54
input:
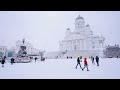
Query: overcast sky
x,y
45,29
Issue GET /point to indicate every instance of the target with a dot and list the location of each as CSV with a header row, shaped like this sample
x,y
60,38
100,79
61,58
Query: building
x,y
25,46
3,50
112,51
81,39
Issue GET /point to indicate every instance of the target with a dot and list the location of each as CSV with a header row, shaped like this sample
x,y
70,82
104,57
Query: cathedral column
x,y
102,44
72,45
67,45
64,47
85,44
78,45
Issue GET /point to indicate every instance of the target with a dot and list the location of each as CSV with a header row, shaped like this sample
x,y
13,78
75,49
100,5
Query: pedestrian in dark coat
x,y
12,61
97,60
2,62
67,57
78,63
35,59
85,64
4,57
93,60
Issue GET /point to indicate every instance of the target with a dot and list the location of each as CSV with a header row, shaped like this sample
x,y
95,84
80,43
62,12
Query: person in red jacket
x,y
85,64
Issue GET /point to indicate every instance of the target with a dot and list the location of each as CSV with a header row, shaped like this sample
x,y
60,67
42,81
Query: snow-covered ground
x,y
61,69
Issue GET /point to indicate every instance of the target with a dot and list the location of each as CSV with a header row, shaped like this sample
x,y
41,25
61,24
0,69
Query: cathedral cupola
x,y
79,17
79,23
68,31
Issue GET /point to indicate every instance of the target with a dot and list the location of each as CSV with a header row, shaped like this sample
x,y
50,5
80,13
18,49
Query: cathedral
x,y
81,38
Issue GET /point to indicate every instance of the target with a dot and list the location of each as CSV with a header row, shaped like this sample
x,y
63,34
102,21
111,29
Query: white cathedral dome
x,y
79,17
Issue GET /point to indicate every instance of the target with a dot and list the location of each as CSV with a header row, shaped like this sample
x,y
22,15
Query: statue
x,y
22,55
23,41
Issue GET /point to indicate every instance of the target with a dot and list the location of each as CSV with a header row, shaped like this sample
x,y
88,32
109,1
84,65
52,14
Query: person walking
x,y
35,59
93,60
2,62
85,64
78,63
12,61
97,60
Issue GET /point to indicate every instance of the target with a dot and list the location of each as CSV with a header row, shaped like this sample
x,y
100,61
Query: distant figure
x,y
78,63
93,60
4,57
30,57
67,57
35,59
97,60
2,62
117,56
80,58
42,59
85,64
12,61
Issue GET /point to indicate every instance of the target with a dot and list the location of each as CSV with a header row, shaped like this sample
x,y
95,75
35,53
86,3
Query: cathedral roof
x,y
79,17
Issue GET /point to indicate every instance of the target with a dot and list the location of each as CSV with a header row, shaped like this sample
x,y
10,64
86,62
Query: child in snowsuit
x,y
85,64
78,63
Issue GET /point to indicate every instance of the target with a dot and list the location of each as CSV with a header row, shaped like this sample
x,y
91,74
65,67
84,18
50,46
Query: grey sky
x,y
44,29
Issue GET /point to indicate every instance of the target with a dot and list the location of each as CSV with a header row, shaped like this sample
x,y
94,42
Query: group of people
x,y
69,57
97,60
79,59
12,60
3,61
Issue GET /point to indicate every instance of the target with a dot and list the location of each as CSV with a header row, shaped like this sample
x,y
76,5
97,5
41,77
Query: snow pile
x,y
61,69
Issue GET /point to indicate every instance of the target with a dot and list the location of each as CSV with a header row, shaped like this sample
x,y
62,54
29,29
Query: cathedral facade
x,y
81,38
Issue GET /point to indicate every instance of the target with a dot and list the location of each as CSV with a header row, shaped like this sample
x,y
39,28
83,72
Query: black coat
x,y
12,60
97,59
3,61
78,60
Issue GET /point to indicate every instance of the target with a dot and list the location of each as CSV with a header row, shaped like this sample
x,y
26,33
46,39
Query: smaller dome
x,y
87,25
68,28
79,17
